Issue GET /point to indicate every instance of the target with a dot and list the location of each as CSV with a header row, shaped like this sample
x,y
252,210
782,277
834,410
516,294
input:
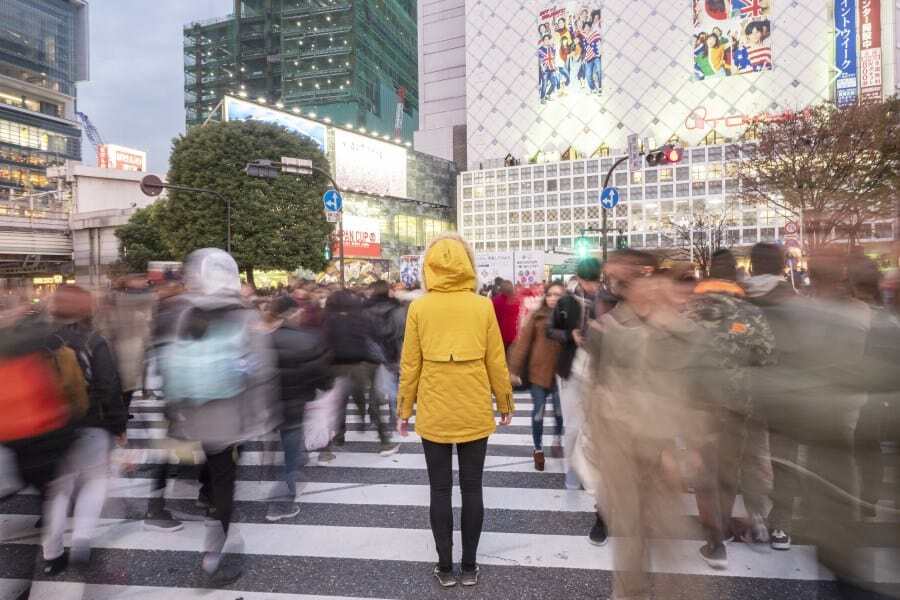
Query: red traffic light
x,y
672,154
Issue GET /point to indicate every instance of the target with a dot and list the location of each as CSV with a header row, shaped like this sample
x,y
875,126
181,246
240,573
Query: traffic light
x,y
267,169
667,155
583,247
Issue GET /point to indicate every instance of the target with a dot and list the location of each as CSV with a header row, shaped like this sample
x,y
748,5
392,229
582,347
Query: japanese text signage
x,y
870,50
845,52
362,238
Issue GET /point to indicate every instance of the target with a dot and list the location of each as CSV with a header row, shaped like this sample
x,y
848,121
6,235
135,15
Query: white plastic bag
x,y
322,417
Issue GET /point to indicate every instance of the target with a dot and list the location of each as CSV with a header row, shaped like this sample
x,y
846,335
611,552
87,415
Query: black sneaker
x,y
469,577
598,535
276,511
162,520
445,578
715,556
57,565
780,540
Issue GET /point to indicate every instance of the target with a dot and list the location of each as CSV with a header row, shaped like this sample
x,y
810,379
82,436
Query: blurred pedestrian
x,y
221,381
87,463
304,366
507,308
453,360
534,358
38,400
388,317
351,336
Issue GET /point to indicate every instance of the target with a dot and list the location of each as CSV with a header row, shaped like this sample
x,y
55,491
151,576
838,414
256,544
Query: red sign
x,y
870,78
362,238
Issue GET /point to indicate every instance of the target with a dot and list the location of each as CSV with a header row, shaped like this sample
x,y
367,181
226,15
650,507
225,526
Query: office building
x,y
43,54
352,61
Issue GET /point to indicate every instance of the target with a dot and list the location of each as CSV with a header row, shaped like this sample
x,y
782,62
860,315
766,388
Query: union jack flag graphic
x,y
751,8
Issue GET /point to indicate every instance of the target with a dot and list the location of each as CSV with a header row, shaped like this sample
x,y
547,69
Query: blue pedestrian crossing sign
x,y
333,201
609,197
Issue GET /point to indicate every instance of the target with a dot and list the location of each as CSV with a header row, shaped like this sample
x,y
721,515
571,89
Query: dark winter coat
x,y
534,356
349,332
388,319
304,366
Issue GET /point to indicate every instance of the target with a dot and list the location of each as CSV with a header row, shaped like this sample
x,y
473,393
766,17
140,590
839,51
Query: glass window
x,y
538,186
552,185
650,176
666,191
637,177
593,167
593,182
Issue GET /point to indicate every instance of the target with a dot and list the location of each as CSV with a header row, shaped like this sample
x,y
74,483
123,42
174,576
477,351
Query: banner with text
x,y
845,59
529,267
362,238
870,81
490,265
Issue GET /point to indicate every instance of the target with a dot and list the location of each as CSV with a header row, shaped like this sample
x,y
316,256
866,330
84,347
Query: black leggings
x,y
439,459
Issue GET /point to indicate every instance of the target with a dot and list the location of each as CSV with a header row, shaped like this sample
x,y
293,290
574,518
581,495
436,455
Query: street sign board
x,y
332,216
609,198
634,152
333,201
151,185
296,166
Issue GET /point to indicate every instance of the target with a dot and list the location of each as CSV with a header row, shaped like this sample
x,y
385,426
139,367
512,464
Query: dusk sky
x,y
135,96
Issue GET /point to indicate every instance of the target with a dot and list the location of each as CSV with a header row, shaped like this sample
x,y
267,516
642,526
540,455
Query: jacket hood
x,y
449,267
212,272
760,285
719,286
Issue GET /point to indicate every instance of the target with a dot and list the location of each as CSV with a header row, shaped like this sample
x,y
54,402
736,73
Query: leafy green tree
x,y
275,223
141,238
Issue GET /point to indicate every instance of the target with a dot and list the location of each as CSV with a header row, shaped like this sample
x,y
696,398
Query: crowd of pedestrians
x,y
731,386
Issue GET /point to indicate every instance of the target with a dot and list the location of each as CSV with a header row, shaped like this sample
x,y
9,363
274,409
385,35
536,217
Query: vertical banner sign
x,y
845,52
870,50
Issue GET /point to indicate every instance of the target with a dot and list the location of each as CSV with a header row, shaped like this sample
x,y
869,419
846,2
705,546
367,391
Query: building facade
x,y
558,87
43,53
349,60
442,80
395,199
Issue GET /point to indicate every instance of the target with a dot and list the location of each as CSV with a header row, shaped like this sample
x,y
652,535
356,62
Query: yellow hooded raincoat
x,y
453,355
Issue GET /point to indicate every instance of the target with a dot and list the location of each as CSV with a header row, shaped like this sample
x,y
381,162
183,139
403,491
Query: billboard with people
x,y
568,52
732,37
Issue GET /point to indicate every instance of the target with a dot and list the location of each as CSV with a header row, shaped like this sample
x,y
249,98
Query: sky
x,y
135,96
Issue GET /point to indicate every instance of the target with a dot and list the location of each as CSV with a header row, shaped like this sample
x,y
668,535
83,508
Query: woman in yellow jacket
x,y
453,360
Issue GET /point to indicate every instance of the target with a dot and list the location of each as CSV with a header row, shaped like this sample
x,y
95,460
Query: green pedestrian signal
x,y
583,247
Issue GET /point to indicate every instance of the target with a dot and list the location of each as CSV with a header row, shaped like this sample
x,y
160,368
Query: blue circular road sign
x,y
333,201
609,198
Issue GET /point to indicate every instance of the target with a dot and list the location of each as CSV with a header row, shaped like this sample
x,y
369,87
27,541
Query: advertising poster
x,y
568,52
490,265
239,110
365,164
110,156
362,238
845,59
411,271
732,37
529,268
870,50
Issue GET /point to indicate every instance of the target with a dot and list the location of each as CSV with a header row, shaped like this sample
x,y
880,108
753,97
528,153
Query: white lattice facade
x,y
546,206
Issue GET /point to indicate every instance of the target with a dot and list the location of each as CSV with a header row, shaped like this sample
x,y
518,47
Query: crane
x,y
90,131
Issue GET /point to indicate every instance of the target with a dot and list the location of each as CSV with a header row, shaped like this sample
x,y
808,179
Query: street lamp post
x,y
300,166
152,185
603,223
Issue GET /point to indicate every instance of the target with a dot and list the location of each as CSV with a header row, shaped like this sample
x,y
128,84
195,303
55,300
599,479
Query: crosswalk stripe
x,y
497,439
56,590
365,460
416,545
159,417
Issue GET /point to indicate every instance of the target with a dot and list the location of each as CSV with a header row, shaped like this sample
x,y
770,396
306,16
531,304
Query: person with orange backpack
x,y
37,370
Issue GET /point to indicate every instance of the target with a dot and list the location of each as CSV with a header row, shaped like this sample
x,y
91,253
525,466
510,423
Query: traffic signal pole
x,y
603,223
152,185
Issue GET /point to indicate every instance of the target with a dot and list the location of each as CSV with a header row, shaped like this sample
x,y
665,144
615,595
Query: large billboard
x,y
568,53
240,110
845,52
111,156
364,164
732,37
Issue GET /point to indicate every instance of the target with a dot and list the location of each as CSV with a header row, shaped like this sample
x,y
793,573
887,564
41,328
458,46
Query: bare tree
x,y
698,237
831,170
